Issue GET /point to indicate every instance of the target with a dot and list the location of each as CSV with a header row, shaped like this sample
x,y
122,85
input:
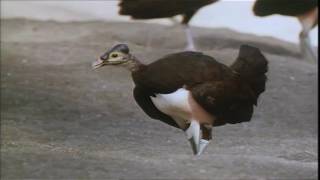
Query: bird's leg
x,y
206,136
185,23
190,43
193,135
306,47
174,20
308,21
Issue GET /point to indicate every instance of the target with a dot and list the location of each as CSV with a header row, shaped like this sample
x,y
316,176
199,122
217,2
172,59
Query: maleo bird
x,y
305,10
192,91
150,9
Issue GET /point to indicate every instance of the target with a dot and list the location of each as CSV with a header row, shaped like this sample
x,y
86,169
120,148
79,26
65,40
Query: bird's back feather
x,y
283,7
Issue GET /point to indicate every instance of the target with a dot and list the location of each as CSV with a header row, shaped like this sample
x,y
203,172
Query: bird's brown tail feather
x,y
252,67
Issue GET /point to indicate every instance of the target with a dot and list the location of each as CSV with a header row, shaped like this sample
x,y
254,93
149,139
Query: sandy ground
x,y
62,120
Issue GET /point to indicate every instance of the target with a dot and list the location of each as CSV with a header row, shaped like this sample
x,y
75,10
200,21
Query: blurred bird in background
x,y
305,10
150,9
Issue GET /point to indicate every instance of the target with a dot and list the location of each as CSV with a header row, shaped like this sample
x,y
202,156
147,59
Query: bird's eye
x,y
114,55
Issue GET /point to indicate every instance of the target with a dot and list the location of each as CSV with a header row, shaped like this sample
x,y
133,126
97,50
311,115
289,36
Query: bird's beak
x,y
98,63
193,135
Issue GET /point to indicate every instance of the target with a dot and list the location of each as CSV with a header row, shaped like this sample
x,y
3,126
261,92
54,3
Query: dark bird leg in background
x,y
308,21
190,43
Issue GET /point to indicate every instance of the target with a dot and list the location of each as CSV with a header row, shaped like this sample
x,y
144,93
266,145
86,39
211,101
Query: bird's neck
x,y
134,64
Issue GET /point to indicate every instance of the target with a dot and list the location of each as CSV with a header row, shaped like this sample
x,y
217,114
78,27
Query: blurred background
x,y
239,16
62,120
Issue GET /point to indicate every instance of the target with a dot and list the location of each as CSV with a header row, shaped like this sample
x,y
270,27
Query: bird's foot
x,y
190,47
202,146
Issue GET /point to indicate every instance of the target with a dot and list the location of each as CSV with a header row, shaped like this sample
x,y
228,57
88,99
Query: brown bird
x,y
305,10
192,91
150,9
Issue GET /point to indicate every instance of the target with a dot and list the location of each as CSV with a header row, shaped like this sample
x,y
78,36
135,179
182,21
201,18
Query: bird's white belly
x,y
175,104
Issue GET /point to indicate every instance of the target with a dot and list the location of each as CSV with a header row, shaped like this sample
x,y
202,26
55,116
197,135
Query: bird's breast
x,y
175,104
181,106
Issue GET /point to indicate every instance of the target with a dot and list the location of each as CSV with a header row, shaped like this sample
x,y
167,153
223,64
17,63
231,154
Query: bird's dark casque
x,y
192,91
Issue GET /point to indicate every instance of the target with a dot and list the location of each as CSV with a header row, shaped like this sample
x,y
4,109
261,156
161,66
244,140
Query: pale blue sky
x,y
234,14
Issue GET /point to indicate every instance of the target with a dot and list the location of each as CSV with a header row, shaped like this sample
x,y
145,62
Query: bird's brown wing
x,y
181,69
229,101
283,7
142,97
148,9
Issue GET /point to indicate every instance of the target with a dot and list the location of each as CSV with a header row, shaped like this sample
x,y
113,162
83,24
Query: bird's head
x,y
117,55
